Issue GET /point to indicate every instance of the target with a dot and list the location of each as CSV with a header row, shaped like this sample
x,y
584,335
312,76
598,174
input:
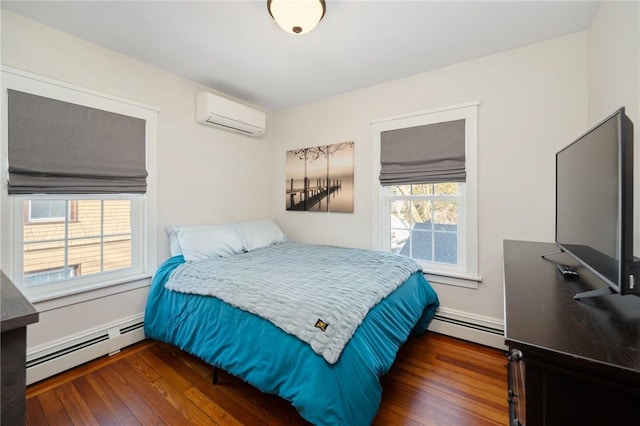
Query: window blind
x,y
423,154
56,147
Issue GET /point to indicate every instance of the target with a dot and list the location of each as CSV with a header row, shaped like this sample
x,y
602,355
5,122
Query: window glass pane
x,y
422,245
401,190
117,217
400,224
400,214
43,256
86,252
447,188
43,231
423,189
421,214
445,215
117,252
41,210
96,237
89,216
445,247
422,229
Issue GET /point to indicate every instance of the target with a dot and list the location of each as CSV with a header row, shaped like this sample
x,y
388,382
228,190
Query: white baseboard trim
x,y
62,354
467,326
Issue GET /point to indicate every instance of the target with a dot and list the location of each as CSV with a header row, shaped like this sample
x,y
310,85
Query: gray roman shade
x,y
423,154
57,147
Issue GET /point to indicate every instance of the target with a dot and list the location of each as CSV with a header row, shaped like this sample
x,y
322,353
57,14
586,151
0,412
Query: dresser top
x,y
541,314
15,309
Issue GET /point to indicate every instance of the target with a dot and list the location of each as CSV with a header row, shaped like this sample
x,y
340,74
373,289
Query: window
x,y
98,240
78,221
429,213
424,221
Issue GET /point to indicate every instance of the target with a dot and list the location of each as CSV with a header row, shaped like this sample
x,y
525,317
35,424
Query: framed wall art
x,y
320,178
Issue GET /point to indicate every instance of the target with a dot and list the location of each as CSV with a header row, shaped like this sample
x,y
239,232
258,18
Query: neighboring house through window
x,y
425,196
96,238
43,211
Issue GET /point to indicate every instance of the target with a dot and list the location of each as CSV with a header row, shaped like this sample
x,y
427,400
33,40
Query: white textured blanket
x,y
319,294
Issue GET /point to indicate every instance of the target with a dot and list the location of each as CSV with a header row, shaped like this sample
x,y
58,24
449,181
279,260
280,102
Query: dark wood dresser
x,y
16,314
570,362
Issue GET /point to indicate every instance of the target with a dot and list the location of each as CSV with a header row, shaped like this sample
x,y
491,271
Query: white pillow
x,y
207,241
257,234
174,243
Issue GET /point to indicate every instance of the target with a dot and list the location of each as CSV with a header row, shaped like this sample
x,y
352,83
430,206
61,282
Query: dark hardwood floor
x,y
436,380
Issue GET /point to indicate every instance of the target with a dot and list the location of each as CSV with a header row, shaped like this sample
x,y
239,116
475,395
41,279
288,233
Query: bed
x,y
326,386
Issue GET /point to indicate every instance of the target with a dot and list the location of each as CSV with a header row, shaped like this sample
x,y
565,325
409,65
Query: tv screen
x,y
594,200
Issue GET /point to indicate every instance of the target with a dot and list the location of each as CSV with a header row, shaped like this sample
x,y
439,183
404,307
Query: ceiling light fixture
x,y
297,16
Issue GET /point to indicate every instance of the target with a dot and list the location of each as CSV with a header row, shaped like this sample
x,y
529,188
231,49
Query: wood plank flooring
x,y
436,380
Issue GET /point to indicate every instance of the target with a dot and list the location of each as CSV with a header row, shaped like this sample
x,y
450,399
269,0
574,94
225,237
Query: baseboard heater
x,y
55,357
462,323
65,351
475,328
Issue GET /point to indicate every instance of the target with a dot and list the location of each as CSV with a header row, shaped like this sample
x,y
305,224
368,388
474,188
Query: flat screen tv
x,y
594,204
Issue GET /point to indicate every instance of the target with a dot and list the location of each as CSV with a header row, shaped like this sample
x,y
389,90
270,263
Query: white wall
x,y
614,75
532,102
204,175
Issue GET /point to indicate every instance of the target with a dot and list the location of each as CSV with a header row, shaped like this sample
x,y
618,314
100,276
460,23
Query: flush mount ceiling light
x,y
296,16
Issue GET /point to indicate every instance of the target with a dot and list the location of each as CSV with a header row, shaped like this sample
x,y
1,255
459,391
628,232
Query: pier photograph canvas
x,y
320,178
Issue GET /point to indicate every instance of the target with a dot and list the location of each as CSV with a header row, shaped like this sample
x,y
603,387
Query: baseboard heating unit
x,y
59,355
475,328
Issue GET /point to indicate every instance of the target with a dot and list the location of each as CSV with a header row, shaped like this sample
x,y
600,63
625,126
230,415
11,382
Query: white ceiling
x,y
235,47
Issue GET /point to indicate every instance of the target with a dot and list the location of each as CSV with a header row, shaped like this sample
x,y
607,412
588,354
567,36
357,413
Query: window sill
x,y
47,301
454,279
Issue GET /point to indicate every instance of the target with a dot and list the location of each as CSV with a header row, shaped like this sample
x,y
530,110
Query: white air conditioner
x,y
228,115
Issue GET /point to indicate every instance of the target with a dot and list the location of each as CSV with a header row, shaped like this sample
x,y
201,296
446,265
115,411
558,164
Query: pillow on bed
x,y
174,243
207,241
257,234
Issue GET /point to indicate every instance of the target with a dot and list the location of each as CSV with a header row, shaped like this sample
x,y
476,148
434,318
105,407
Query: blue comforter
x,y
253,349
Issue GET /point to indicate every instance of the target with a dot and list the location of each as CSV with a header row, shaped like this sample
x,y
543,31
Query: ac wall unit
x,y
216,111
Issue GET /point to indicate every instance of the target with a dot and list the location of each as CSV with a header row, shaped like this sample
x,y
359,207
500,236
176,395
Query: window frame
x,y
466,273
54,295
